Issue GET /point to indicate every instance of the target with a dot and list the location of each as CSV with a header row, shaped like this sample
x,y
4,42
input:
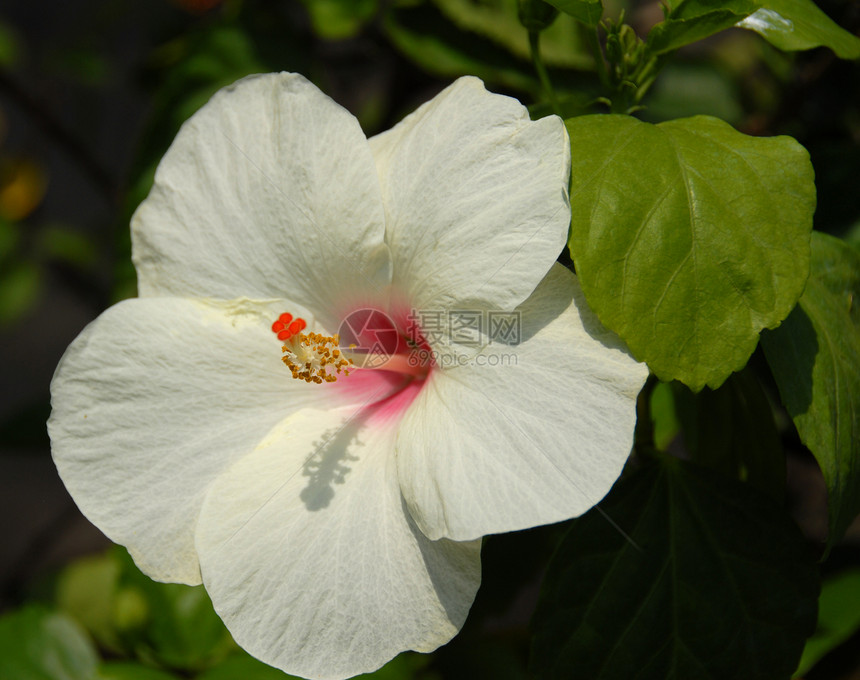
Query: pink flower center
x,y
375,357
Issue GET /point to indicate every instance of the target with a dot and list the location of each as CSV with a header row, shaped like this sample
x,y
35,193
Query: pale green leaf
x,y
664,416
695,20
800,25
688,237
37,644
86,591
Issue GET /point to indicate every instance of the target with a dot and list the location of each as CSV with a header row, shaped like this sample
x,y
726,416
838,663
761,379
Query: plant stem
x,y
543,76
593,41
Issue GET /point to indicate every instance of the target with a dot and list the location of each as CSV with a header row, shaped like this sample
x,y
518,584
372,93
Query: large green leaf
x,y
838,618
37,644
714,581
800,25
688,237
695,20
588,12
815,358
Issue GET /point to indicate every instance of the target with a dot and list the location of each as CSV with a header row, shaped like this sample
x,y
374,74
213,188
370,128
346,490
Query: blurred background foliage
x,y
91,94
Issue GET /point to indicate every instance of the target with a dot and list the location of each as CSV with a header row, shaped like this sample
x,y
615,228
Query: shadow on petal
x,y
328,464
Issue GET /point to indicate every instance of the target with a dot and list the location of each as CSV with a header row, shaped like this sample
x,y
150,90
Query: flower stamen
x,y
312,357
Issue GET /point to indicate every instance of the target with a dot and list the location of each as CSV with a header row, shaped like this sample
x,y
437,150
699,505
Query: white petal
x,y
490,448
268,191
312,561
151,402
475,198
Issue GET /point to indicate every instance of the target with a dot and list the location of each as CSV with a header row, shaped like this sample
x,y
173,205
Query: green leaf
x,y
339,19
20,285
814,356
10,48
10,237
695,20
588,12
714,581
86,591
664,417
118,670
800,25
37,644
170,624
687,89
732,430
560,44
67,245
838,618
688,237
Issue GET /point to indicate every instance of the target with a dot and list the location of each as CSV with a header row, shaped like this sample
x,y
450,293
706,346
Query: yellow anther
x,y
314,357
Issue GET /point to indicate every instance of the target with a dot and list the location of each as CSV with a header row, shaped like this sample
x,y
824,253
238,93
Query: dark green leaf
x,y
838,618
814,356
688,237
10,47
10,237
37,644
20,285
714,582
732,430
588,12
800,25
695,20
65,245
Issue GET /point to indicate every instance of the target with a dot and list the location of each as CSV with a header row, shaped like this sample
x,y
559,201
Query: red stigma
x,y
285,327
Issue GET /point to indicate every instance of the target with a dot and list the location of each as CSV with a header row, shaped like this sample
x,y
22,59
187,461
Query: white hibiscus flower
x,y
337,524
